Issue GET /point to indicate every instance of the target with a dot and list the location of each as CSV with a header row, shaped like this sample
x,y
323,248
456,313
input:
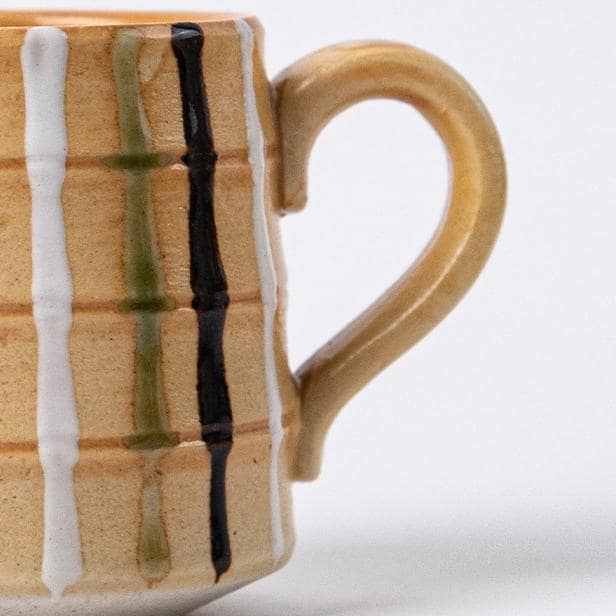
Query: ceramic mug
x,y
150,426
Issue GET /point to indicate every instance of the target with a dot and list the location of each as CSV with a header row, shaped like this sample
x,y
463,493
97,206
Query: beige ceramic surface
x,y
148,487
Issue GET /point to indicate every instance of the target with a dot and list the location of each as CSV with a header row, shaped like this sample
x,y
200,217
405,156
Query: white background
x,y
478,474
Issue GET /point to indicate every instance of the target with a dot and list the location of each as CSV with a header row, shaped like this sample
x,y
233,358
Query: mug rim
x,y
74,19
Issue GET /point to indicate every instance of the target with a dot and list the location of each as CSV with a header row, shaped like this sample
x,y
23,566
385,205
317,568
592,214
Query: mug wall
x,y
132,497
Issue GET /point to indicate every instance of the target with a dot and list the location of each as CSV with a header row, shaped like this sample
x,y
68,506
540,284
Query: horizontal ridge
x,y
185,438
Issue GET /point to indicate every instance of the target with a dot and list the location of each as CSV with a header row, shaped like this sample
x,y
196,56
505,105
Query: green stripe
x,y
146,300
153,554
138,162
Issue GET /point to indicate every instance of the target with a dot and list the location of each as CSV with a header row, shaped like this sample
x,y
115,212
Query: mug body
x,y
145,394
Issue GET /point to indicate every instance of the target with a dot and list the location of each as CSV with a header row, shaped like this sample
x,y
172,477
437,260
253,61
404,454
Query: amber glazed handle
x,y
308,95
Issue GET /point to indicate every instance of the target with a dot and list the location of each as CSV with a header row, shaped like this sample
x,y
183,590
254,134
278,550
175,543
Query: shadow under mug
x,y
150,426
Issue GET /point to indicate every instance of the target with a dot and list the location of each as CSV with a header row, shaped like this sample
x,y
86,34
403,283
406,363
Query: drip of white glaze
x,y
267,275
44,57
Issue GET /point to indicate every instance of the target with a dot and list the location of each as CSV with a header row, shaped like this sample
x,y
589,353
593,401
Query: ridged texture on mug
x,y
152,508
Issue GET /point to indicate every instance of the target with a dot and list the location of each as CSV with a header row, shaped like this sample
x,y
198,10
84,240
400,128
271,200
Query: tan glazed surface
x,y
150,426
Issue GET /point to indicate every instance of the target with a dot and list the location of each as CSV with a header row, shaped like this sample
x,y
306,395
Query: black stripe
x,y
208,282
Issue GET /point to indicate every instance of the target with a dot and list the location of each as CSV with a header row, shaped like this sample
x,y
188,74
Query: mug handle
x,y
308,94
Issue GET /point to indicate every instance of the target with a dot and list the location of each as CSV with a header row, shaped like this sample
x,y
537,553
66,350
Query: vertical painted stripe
x,y
153,554
208,282
44,57
267,275
146,301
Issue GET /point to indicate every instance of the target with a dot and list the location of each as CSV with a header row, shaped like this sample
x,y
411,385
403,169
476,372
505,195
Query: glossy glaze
x,y
208,282
267,275
44,57
145,302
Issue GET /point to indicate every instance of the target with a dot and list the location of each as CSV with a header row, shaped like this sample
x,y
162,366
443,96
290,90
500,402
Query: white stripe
x,y
44,57
267,274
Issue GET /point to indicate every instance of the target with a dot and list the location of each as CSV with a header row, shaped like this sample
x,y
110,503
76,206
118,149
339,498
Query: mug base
x,y
148,603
